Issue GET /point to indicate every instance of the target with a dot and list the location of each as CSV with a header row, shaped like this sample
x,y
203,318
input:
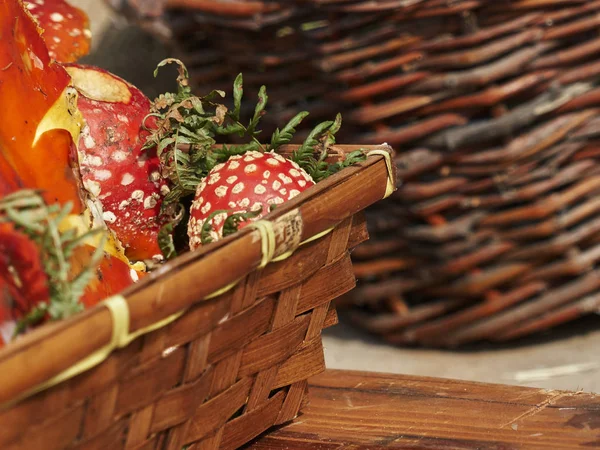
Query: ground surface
x,y
572,353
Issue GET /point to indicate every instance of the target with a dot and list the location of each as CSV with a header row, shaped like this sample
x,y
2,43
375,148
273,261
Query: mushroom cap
x,y
66,28
125,179
245,183
36,136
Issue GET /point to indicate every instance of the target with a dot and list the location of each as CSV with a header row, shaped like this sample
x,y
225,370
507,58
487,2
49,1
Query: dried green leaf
x,y
233,221
238,93
284,136
183,77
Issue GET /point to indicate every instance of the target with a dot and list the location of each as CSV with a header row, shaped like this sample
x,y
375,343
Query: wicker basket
x,y
494,107
215,375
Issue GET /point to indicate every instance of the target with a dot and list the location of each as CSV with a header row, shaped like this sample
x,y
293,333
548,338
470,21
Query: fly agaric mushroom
x,y
251,183
66,28
125,179
36,138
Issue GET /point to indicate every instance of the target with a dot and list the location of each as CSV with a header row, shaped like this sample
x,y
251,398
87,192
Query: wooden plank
x,y
360,411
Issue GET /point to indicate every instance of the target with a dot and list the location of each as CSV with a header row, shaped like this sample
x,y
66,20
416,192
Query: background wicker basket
x,y
226,369
493,106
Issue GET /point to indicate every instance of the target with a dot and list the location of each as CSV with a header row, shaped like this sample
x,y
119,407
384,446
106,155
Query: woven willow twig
x,y
494,106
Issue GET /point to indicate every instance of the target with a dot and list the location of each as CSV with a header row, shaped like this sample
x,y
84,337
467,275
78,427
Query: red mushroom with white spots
x,y
116,171
251,183
66,28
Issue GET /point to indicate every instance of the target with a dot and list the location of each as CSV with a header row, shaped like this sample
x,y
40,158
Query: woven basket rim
x,y
38,353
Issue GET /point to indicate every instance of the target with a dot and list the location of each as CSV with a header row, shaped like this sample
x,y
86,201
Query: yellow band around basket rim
x,y
119,310
391,183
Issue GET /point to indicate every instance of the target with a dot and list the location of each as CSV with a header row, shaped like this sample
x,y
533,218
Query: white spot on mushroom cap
x,y
201,187
250,168
272,162
205,208
302,183
197,203
294,173
102,174
238,188
127,179
221,191
56,17
119,156
259,189
123,118
219,219
91,160
275,201
154,176
293,193
150,202
284,178
232,179
109,217
266,174
93,187
88,140
233,165
283,191
276,185
213,178
243,203
138,195
87,33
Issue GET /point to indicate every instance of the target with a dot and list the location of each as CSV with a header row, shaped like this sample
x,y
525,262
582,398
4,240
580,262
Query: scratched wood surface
x,y
370,411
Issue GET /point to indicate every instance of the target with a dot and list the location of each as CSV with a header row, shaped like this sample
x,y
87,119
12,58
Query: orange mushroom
x,y
36,136
38,147
66,28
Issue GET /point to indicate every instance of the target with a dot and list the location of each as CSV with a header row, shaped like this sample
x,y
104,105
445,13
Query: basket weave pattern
x,y
493,107
227,369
